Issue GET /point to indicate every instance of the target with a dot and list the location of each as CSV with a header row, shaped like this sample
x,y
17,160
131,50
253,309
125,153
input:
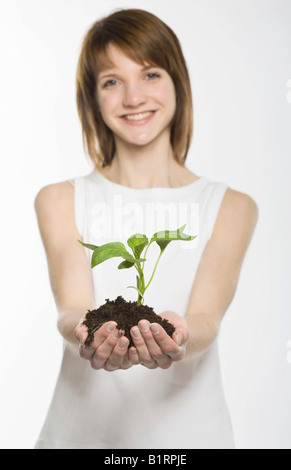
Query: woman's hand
x,y
154,347
109,349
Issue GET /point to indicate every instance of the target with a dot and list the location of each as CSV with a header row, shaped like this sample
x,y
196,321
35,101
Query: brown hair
x,y
144,38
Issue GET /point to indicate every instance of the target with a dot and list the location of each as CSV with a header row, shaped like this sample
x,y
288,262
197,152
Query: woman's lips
x,y
138,118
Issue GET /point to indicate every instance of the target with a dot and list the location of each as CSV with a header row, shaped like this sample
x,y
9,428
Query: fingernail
x,y
117,334
136,332
155,329
179,339
111,327
133,351
122,343
144,326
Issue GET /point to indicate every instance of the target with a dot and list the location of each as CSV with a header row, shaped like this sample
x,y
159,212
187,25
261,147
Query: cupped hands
x,y
153,347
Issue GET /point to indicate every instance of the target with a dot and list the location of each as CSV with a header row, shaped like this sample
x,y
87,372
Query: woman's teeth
x,y
138,117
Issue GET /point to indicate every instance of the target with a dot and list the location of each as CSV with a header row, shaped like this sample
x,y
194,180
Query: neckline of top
x,y
180,190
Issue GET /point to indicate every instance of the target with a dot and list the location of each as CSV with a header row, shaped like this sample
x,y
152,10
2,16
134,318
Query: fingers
x,y
165,342
154,346
114,357
142,350
133,356
81,333
103,333
108,350
181,336
126,361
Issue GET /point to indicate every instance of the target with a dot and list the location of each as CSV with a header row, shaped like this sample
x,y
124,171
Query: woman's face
x,y
136,103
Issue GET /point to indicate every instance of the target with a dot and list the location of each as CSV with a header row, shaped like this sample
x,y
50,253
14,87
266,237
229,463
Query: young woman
x,y
135,106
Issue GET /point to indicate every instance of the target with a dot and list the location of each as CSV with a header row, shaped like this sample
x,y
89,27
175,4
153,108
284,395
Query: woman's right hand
x,y
109,349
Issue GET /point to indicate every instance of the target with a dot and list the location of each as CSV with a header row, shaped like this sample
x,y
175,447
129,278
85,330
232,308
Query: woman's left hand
x,y
154,347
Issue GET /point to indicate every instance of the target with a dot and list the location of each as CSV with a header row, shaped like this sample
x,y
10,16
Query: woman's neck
x,y
143,168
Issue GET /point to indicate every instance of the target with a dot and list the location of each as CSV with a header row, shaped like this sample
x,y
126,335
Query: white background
x,y
238,53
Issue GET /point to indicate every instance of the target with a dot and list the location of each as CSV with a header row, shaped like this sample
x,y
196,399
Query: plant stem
x,y
145,255
139,269
161,252
140,285
141,288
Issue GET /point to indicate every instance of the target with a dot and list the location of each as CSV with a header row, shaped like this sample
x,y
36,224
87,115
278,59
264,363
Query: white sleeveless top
x,y
182,407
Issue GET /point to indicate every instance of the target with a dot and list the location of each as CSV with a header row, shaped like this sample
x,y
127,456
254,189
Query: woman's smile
x,y
138,119
137,102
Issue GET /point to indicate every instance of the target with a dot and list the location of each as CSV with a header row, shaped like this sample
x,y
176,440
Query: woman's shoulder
x,y
238,210
54,195
233,199
241,201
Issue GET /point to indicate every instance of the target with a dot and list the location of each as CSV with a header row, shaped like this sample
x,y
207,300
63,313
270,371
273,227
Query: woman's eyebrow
x,y
110,73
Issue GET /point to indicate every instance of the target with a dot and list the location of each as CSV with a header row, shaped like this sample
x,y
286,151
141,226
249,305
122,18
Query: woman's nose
x,y
133,95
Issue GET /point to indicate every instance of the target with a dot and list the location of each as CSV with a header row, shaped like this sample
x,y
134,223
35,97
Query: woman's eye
x,y
152,75
109,83
112,82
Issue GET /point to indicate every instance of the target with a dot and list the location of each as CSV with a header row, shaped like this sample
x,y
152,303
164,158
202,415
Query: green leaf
x,y
137,243
125,265
129,264
164,237
139,260
88,245
110,250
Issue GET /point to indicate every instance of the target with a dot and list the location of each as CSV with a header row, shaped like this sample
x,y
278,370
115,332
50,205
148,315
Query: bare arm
x,y
71,280
213,289
219,269
68,266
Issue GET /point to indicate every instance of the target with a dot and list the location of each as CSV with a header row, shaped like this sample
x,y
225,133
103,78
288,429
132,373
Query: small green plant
x,y
137,243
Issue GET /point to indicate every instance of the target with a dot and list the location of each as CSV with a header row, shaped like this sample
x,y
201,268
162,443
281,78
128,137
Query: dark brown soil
x,y
125,314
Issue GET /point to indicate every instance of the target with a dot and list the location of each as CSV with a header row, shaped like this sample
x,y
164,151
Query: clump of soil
x,y
125,314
